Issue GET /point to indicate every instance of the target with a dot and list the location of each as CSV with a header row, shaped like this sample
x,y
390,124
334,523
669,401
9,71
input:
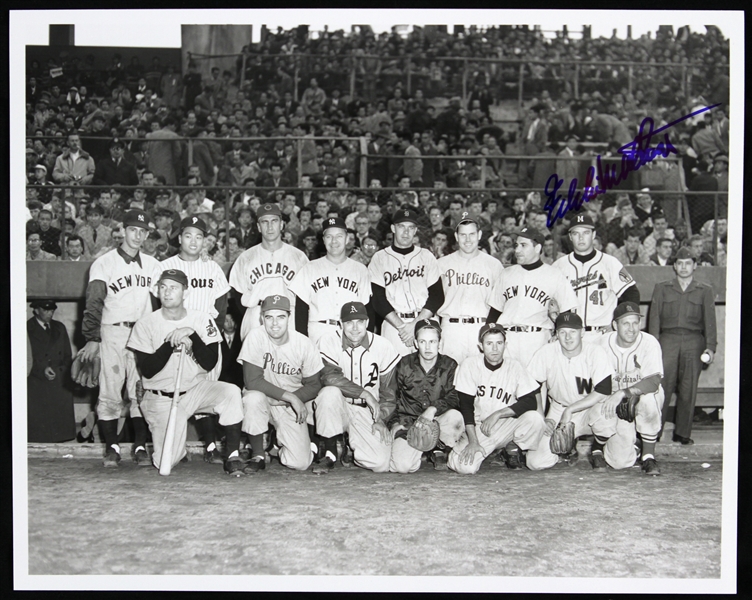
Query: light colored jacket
x,y
67,170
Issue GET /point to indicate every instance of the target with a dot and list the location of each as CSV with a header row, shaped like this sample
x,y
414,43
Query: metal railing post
x,y
300,160
353,68
296,77
715,228
409,74
363,162
684,80
228,206
519,91
190,152
577,80
630,80
483,172
242,72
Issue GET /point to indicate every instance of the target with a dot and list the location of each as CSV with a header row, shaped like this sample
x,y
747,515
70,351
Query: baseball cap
x,y
45,304
684,253
352,311
406,214
268,209
427,324
136,218
334,222
581,220
193,221
626,308
568,319
531,233
491,328
275,303
466,218
175,275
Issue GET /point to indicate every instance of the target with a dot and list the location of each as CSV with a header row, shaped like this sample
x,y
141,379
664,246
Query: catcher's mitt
x,y
562,439
86,373
423,435
627,408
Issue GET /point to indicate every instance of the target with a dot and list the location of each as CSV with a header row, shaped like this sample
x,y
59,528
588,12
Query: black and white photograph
x,y
376,300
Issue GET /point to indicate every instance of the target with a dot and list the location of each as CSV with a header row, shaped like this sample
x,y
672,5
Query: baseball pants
x,y
588,422
118,367
334,415
459,340
406,459
620,451
251,320
521,345
294,442
525,431
392,334
213,397
682,365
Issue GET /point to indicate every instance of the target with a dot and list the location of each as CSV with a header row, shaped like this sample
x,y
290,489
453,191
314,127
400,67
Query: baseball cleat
x,y
234,466
111,457
598,462
214,457
254,466
650,467
326,465
439,460
141,458
571,458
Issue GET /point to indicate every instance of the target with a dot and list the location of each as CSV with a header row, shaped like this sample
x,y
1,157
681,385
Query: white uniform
x,y
127,300
630,365
284,366
569,380
597,284
494,390
337,411
258,273
326,287
524,297
468,289
406,279
197,392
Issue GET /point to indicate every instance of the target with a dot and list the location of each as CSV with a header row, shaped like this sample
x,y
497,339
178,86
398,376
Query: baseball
x,y
705,358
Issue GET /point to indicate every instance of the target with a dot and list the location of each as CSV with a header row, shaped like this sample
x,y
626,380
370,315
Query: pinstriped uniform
x,y
206,280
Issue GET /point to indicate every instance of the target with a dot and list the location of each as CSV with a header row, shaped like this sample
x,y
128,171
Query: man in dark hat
x,y
50,403
115,169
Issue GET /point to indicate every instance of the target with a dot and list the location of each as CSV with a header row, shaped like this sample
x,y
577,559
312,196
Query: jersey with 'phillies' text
x,y
468,284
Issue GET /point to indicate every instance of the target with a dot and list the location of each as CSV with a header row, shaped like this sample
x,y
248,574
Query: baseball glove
x,y
86,373
562,439
627,408
423,435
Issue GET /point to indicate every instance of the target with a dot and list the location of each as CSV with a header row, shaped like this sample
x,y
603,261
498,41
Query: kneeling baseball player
x,y
578,380
498,393
281,371
637,361
426,416
357,395
158,342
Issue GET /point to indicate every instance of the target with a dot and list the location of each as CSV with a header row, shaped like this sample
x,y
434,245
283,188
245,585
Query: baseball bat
x,y
165,463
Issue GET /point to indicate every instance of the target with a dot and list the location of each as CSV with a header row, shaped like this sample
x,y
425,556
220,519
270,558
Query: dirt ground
x,y
568,521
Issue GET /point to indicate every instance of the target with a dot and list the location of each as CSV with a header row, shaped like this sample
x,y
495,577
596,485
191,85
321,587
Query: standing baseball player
x,y
424,384
468,277
156,341
637,362
116,297
209,287
265,269
498,405
528,298
577,375
599,280
281,369
405,282
357,396
324,285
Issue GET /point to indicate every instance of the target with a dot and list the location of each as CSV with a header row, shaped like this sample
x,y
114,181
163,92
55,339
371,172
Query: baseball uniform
x,y
258,273
630,365
284,366
405,278
523,295
326,287
597,284
569,380
495,389
339,408
197,392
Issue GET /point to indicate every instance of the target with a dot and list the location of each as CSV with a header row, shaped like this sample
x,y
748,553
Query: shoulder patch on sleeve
x,y
211,331
625,276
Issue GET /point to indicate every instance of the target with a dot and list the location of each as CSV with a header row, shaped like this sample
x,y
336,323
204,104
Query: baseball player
x,y
468,277
424,384
116,297
405,282
209,287
528,298
497,393
265,269
156,340
599,280
281,369
323,285
637,362
357,396
578,379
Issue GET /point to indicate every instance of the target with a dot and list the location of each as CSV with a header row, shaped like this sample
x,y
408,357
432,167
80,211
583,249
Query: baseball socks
x,y
140,432
257,446
232,433
330,447
206,432
316,440
109,435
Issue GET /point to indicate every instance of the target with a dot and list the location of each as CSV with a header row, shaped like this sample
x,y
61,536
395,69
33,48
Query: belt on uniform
x,y
123,324
411,315
467,320
166,394
357,402
329,322
588,328
527,328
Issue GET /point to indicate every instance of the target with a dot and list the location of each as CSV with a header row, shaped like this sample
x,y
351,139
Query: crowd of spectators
x,y
123,129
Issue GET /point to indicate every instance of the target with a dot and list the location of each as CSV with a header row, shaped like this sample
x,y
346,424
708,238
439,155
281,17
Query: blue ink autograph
x,y
634,155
